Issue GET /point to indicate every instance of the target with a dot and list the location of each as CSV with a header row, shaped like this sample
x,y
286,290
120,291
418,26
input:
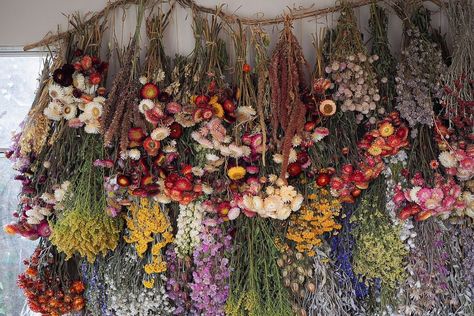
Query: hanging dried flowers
x,y
83,226
251,292
314,219
287,77
385,67
351,68
43,288
379,252
120,110
147,225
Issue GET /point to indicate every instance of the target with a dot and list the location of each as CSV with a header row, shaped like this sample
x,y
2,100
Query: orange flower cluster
x,y
314,220
44,292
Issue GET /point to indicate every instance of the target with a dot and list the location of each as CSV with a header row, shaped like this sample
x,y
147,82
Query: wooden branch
x,y
94,18
301,14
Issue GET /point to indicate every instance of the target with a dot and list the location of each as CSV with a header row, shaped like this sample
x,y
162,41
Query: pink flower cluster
x,y
459,163
423,201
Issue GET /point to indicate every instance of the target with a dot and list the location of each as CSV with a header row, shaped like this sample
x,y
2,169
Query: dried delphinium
x,y
386,66
459,89
95,293
329,296
288,82
342,252
351,69
118,111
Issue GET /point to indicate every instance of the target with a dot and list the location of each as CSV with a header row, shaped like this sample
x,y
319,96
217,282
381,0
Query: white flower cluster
x,y
279,200
126,300
189,225
356,88
38,213
64,105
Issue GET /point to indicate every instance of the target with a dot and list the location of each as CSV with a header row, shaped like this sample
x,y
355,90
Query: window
x,y
19,72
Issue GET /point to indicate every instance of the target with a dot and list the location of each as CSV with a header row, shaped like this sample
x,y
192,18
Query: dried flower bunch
x,y
244,186
287,77
351,69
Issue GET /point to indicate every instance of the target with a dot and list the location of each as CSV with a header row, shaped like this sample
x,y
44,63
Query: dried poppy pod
x,y
327,107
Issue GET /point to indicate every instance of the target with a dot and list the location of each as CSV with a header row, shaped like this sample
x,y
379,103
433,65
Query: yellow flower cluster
x,y
148,225
313,220
86,233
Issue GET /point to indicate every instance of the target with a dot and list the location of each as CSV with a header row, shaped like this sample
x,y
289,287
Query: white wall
x,y
27,21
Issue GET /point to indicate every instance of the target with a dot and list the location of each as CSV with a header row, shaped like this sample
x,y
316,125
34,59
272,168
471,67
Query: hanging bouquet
x,y
76,92
44,289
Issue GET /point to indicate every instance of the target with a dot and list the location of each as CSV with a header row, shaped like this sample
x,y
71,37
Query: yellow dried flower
x,y
313,220
150,231
86,234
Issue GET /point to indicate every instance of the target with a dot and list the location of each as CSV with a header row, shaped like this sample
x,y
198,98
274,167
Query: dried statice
x,y
418,78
